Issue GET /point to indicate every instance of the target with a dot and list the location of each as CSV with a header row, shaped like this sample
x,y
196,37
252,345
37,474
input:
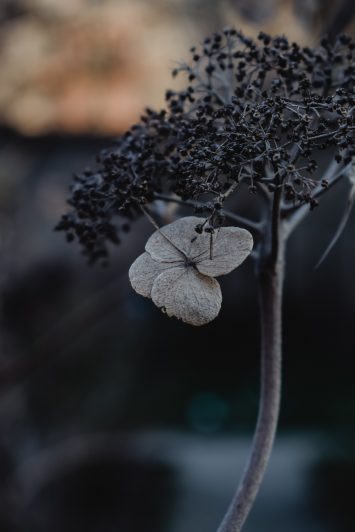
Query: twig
x,y
341,226
299,213
256,227
332,180
153,222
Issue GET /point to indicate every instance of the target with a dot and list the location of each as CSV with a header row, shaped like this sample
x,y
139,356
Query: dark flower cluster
x,y
254,113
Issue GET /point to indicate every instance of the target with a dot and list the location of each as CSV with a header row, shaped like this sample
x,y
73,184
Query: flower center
x,y
189,263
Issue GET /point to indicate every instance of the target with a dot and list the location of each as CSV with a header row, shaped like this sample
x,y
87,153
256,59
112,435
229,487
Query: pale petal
x,y
187,295
176,241
143,272
230,247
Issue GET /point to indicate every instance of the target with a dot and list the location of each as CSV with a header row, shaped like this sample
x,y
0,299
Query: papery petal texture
x,y
228,248
178,268
177,240
187,295
143,272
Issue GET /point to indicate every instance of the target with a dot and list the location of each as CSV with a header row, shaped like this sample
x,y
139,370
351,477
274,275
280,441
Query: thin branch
x,y
332,180
231,189
256,227
294,215
341,226
153,222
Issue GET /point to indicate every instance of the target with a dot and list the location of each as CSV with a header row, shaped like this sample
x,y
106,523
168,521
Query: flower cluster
x,y
255,113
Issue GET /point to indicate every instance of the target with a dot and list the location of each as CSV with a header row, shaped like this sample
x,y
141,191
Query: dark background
x,y
112,416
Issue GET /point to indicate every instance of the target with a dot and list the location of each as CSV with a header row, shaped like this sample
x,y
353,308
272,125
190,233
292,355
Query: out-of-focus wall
x,y
85,67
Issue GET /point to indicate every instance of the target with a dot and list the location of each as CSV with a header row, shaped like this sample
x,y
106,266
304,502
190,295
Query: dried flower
x,y
177,269
258,113
254,116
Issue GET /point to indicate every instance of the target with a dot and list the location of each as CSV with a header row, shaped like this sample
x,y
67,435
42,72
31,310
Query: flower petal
x,y
230,247
176,241
143,272
187,295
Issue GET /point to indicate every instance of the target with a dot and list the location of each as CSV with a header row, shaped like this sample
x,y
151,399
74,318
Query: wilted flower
x,y
177,269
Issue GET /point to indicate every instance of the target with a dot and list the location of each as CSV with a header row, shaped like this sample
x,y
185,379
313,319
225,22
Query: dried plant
x,y
178,268
267,116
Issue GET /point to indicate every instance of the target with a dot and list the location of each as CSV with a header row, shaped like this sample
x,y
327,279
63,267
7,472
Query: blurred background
x,y
114,418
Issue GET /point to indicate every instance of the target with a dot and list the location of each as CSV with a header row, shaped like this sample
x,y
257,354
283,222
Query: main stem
x,y
270,276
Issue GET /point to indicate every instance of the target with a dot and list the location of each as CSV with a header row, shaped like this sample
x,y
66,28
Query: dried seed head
x,y
256,112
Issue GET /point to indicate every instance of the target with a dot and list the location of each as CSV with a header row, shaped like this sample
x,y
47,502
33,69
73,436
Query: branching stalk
x,y
270,274
294,215
241,220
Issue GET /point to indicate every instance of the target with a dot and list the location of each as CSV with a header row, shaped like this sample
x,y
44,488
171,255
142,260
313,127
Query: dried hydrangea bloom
x,y
177,269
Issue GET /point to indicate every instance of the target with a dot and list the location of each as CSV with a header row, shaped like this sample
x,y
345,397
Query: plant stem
x,y
244,222
270,275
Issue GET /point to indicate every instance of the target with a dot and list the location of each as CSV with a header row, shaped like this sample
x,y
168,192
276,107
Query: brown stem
x,y
270,276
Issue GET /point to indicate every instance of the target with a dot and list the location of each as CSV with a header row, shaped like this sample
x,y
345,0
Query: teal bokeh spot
x,y
207,412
